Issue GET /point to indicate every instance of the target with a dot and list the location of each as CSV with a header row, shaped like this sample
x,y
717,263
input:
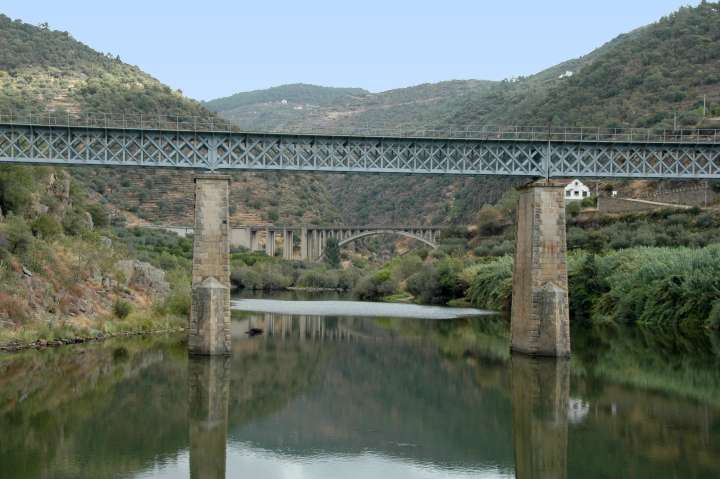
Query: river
x,y
355,390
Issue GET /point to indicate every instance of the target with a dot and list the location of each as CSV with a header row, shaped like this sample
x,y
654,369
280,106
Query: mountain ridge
x,y
641,78
653,76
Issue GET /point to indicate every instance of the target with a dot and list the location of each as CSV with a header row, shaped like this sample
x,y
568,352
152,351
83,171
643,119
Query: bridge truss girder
x,y
248,151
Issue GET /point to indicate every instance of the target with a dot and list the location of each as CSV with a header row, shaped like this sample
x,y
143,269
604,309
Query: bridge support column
x,y
304,243
254,243
312,248
270,242
321,246
209,328
540,322
288,238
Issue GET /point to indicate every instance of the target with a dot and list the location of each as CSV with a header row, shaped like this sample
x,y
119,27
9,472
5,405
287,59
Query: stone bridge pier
x,y
209,326
539,323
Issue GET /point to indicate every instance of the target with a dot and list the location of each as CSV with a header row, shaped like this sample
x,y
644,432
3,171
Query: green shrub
x,y
375,286
122,309
491,221
74,224
16,189
19,235
318,279
437,284
589,202
491,284
264,276
573,208
99,215
46,227
332,253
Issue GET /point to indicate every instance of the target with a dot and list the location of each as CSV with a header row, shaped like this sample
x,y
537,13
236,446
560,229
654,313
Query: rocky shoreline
x,y
42,343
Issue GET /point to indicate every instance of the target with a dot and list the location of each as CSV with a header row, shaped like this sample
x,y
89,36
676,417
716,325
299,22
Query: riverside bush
x,y
677,287
318,279
375,286
264,276
437,284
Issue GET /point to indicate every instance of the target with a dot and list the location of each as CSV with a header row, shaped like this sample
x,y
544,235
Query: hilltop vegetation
x,y
311,107
639,79
43,69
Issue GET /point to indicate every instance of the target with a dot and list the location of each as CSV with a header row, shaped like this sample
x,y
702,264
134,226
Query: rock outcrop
x,y
141,275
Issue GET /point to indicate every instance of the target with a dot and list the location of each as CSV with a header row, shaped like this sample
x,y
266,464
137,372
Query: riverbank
x,y
43,343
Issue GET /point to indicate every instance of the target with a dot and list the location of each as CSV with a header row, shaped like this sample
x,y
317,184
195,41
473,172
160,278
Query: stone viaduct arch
x,y
423,238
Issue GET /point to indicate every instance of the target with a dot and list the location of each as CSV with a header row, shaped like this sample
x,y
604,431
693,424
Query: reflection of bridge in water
x,y
539,390
306,328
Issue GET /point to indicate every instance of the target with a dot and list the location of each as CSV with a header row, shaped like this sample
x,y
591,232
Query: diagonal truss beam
x,y
256,151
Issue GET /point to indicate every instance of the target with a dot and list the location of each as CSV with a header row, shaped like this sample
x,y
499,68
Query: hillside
x,y
639,79
650,77
311,106
43,69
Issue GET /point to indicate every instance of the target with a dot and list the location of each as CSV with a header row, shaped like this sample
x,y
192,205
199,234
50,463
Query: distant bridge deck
x,y
175,142
313,239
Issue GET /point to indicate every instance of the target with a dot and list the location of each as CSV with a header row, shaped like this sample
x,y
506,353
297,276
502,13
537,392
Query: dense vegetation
x,y
298,93
43,69
667,287
641,78
59,264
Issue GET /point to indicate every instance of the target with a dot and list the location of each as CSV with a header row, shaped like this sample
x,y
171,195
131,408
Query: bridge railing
x,y
135,121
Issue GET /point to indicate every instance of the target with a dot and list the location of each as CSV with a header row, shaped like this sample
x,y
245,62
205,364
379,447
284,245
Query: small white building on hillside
x,y
576,190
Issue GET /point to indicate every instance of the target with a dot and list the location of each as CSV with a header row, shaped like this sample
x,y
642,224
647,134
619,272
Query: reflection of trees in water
x,y
92,411
418,390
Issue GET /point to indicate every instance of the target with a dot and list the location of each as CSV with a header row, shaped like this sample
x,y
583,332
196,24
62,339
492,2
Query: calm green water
x,y
355,397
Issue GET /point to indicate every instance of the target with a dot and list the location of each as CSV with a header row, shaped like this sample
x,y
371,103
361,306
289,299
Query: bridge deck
x,y
579,152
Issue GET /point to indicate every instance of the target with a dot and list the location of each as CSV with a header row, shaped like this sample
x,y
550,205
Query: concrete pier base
x,y
540,323
540,397
209,326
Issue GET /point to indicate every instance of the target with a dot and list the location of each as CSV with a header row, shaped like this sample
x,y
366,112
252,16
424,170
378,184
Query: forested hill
x,y
311,106
43,69
641,78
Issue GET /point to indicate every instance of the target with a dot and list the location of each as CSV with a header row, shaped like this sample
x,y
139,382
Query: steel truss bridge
x,y
522,151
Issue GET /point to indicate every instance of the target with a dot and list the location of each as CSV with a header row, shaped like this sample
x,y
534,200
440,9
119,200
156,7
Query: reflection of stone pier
x,y
208,385
540,390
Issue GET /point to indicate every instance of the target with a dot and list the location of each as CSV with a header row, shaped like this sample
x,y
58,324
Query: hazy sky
x,y
214,48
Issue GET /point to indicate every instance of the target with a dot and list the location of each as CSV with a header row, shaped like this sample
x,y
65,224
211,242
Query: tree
x,y
332,252
490,221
